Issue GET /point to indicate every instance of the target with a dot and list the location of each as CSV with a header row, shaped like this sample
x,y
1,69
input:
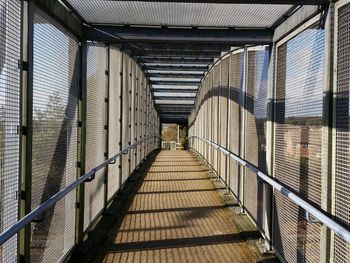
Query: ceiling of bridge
x,y
179,14
177,41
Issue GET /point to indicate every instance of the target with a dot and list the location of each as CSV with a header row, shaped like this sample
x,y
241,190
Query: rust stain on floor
x,y
177,216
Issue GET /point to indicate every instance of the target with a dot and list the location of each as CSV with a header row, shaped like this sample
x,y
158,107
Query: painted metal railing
x,y
318,214
87,177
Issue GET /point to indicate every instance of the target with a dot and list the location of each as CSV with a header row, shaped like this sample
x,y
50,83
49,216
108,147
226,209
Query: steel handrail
x,y
320,215
89,176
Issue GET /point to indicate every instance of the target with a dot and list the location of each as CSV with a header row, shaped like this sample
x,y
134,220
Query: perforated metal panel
x,y
255,130
114,101
10,40
236,85
142,114
342,158
298,141
133,112
223,104
95,148
126,125
215,109
180,14
54,149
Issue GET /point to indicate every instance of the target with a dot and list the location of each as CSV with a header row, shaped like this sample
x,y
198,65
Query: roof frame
x,y
269,2
175,75
147,34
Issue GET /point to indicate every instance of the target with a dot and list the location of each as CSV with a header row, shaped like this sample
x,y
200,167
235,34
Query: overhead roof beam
x,y
178,53
170,60
174,82
182,46
174,112
270,2
175,90
175,75
176,68
174,97
137,35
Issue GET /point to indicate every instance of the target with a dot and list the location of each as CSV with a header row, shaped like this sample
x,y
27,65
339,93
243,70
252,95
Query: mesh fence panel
x,y
142,114
113,120
342,158
211,117
54,149
215,98
255,130
10,39
133,112
224,86
237,67
298,142
95,148
126,114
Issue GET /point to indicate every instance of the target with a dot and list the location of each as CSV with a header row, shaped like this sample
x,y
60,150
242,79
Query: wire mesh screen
x,y
139,115
342,158
10,40
126,114
298,141
54,149
216,84
113,120
211,117
224,86
237,68
133,112
95,148
255,130
142,114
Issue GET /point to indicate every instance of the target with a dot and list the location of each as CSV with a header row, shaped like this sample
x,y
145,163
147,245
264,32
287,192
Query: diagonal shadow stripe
x,y
180,191
183,242
182,179
181,209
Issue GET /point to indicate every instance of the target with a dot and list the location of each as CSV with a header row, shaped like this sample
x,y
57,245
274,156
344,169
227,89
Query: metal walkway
x,y
177,215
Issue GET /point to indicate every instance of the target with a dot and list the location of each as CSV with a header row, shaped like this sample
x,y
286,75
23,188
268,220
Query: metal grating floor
x,y
177,215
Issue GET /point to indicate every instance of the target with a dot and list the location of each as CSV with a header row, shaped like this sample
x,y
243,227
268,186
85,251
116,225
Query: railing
x,y
318,214
87,177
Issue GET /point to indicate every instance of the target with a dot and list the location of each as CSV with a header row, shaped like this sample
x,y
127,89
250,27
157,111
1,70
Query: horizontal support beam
x,y
174,116
179,121
182,46
180,53
176,68
173,112
174,98
175,75
267,2
173,83
139,35
169,60
183,115
176,90
174,107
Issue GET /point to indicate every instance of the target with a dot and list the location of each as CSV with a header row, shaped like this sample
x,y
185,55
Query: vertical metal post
x,y
178,133
82,141
270,147
28,122
242,126
328,145
24,121
228,139
121,116
105,181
